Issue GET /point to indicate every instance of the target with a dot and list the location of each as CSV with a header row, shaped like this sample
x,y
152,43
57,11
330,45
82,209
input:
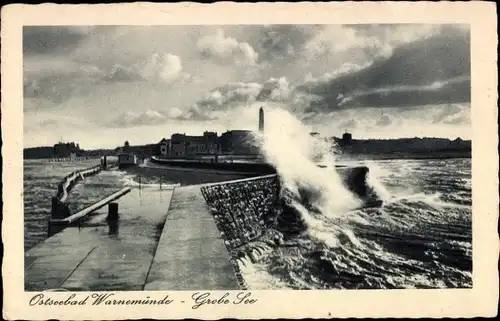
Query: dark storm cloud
x,y
50,72
452,92
59,86
442,59
50,39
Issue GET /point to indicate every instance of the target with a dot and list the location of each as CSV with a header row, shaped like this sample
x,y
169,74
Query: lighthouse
x,y
261,119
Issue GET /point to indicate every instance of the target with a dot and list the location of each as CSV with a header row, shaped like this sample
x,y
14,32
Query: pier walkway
x,y
102,256
191,254
163,240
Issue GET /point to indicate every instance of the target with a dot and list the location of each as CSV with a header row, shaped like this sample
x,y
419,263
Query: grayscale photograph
x,y
247,157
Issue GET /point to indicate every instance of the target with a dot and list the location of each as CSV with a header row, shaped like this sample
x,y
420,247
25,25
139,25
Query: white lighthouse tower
x,y
261,119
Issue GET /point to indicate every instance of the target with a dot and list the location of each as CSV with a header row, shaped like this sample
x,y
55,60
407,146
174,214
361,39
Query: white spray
x,y
288,145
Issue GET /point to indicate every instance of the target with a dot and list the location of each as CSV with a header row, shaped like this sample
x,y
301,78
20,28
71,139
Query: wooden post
x,y
54,228
113,211
54,212
60,210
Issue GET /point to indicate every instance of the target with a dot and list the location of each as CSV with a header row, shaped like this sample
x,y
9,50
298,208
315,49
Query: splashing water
x,y
420,238
287,144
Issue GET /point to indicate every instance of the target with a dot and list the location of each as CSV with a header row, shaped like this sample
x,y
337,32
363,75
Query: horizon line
x,y
333,136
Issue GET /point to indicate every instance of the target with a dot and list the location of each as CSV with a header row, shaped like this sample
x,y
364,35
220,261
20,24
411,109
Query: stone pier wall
x,y
242,210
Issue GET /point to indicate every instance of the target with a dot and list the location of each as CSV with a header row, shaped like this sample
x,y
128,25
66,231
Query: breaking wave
x,y
419,238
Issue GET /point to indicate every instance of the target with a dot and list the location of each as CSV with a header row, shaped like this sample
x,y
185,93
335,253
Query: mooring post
x,y
54,212
112,211
54,228
60,210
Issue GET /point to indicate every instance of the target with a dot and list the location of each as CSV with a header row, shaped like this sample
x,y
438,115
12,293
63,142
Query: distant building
x,y
165,147
261,120
202,145
235,142
347,139
158,148
177,145
181,145
239,142
127,160
140,151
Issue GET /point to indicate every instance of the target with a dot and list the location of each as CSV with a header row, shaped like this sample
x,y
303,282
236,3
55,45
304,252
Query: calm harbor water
x,y
420,238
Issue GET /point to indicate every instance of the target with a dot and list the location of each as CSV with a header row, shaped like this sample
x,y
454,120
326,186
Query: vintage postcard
x,y
250,161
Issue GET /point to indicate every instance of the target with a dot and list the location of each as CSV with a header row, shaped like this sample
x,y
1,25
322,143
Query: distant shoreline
x,y
355,157
415,156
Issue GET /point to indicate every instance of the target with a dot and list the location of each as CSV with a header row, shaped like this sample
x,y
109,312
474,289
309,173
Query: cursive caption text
x,y
197,299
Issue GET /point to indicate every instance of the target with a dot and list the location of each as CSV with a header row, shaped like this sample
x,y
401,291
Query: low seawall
x,y
254,218
60,208
241,167
190,172
187,175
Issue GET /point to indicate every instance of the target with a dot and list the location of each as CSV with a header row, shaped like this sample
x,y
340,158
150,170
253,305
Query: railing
x,y
70,159
57,225
60,208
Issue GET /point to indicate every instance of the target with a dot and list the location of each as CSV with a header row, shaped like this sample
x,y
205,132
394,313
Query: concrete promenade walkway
x,y
164,240
191,254
98,256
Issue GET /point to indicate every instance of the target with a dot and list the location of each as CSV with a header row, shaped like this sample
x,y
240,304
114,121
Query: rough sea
x,y
41,178
420,238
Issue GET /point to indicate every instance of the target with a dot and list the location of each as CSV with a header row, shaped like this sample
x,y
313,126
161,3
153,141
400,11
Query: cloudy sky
x,y
100,86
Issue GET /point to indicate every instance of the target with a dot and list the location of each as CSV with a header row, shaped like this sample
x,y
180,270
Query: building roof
x,y
238,131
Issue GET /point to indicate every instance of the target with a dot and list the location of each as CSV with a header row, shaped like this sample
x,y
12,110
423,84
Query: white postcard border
x,y
481,300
